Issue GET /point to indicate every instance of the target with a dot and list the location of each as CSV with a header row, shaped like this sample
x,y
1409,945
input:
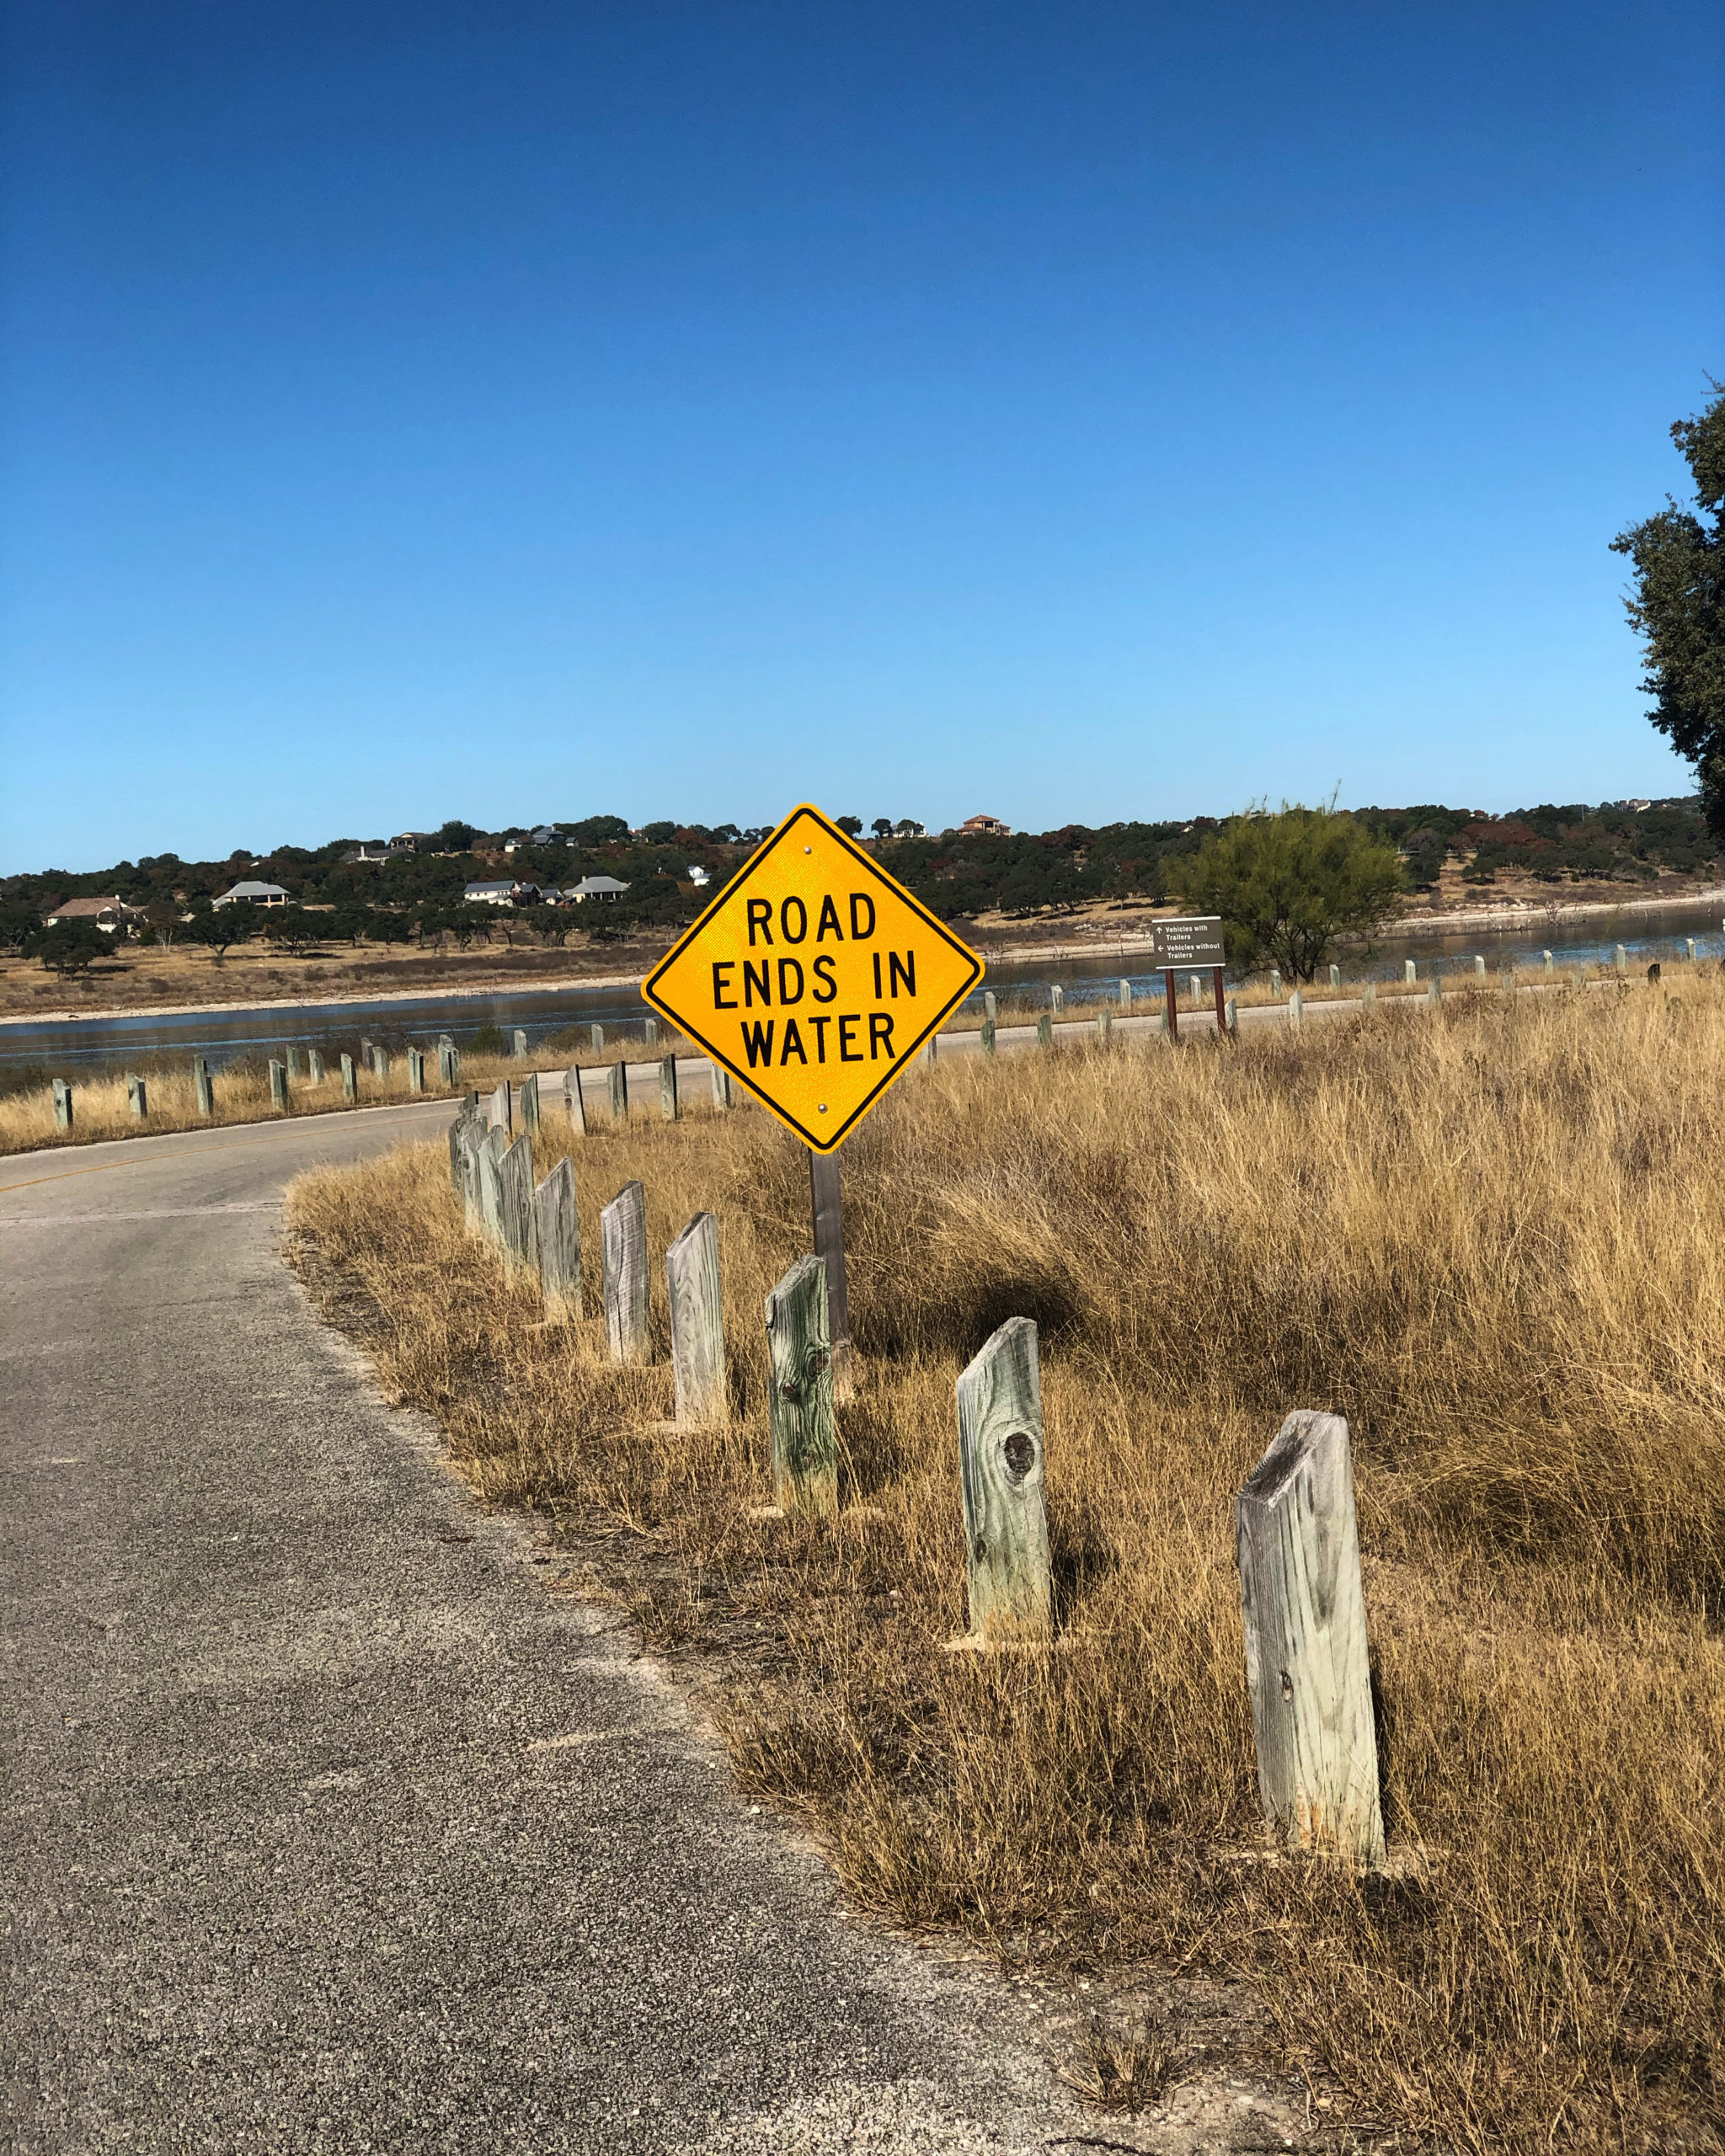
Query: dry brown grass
x,y
1495,1242
101,1107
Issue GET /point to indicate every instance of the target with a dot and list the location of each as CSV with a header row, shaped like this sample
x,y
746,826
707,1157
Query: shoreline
x,y
1518,913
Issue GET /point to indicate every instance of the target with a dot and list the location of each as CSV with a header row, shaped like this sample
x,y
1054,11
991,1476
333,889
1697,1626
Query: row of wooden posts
x,y
1296,1539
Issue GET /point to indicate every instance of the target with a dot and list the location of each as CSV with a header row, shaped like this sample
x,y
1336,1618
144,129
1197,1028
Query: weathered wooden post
x,y
1551,962
1689,949
1170,1025
721,1087
416,1071
349,1080
668,1089
475,1139
991,1006
805,1453
529,1104
620,1089
1056,998
1000,1471
558,1231
985,1036
1306,1670
314,1065
622,1249
1230,1018
516,1214
62,1104
503,1108
1368,995
1044,1031
519,1047
290,1056
457,1165
1621,959
1434,991
449,1062
489,1159
1296,1010
1105,1028
1410,972
1479,966
138,1094
380,1061
1335,976
203,1085
1125,996
1275,980
698,1324
649,1032
367,1045
574,1104
1655,974
597,1038
827,1214
278,1083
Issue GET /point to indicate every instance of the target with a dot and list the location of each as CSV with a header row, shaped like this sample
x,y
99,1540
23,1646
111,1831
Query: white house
x,y
698,876
257,895
369,850
606,888
496,894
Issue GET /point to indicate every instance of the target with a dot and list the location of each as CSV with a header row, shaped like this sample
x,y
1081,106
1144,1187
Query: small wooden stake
x,y
698,1324
204,1085
668,1089
574,1106
529,1104
623,1247
595,1038
721,1087
826,1211
416,1071
805,1471
987,1036
1306,1670
1044,1031
278,1083
515,1211
1171,1006
520,1044
559,1228
349,1080
138,1094
1225,1024
649,1032
314,1065
503,1116
62,1104
620,1089
490,1183
1001,1468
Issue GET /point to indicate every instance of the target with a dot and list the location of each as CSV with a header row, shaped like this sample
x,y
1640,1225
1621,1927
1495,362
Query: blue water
x,y
230,1035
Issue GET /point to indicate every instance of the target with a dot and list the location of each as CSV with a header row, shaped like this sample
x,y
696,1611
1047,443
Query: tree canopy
x,y
1677,606
1288,885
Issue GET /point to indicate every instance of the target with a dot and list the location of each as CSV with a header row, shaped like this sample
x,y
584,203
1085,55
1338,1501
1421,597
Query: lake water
x,y
225,1036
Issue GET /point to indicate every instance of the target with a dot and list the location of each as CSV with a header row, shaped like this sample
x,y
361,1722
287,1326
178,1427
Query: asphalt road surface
x,y
326,1826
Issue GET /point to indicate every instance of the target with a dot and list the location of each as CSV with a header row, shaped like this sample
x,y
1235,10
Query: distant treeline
x,y
959,875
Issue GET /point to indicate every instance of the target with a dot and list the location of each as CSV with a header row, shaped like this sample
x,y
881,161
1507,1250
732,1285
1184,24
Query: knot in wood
x,y
1020,1451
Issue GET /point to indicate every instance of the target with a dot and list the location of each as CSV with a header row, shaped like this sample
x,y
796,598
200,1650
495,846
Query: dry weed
x,y
1496,1242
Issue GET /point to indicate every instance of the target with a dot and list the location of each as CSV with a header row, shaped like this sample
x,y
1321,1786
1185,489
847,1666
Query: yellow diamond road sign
x,y
813,977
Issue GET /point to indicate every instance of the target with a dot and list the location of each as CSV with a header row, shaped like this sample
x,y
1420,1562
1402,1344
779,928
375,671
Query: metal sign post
x,y
829,1246
1171,997
1215,974
1193,940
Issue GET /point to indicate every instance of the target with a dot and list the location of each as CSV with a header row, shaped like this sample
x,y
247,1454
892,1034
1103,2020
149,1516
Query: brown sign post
x,y
1192,941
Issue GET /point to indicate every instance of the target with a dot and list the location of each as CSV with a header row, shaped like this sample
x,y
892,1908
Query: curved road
x,y
327,1828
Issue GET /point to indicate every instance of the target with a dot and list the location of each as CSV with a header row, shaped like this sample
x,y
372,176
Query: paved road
x,y
327,1827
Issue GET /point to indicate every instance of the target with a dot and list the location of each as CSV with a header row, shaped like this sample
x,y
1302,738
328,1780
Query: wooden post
x,y
314,1065
827,1214
991,1006
622,1249
503,1108
1621,959
516,1214
1296,1010
290,1056
1368,995
1479,967
457,1166
1001,1470
1230,1018
529,1104
488,1158
138,1094
597,1038
986,1037
1687,951
575,1105
1298,1550
721,1087
805,1453
1056,998
1434,992
620,1089
475,1141
1275,980
1225,1024
1335,976
278,1083
668,1089
650,1032
557,1229
365,1047
349,1080
62,1104
1171,1006
1551,964
416,1071
926,1054
1410,972
1125,996
1044,1031
449,1062
519,1045
698,1324
380,1061
1105,1027
203,1085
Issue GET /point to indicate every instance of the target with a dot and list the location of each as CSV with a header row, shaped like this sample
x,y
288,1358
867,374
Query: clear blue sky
x,y
512,411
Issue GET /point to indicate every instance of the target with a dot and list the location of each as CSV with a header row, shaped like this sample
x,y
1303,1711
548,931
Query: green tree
x,y
1678,608
69,948
293,928
18,919
851,826
1288,885
222,926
